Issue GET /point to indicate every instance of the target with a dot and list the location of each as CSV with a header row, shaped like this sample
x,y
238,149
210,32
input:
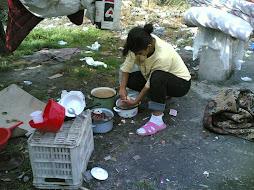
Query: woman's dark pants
x,y
162,84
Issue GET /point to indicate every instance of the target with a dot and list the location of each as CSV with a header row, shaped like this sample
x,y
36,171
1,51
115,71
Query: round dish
x,y
75,101
99,173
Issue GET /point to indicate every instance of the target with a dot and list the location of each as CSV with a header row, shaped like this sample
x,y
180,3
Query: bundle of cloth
x,y
231,112
24,15
233,17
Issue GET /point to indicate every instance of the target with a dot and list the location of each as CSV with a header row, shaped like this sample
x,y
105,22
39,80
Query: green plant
x,y
186,97
143,184
4,66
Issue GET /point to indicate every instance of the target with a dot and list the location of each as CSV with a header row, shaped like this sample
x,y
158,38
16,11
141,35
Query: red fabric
x,y
20,23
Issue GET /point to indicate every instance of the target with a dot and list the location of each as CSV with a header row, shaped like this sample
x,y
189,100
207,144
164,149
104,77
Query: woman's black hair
x,y
138,39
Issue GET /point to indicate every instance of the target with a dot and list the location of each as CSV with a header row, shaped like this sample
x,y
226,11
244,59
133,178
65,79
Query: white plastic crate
x,y
59,159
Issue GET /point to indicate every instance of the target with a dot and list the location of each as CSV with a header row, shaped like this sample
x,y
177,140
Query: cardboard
x,y
16,105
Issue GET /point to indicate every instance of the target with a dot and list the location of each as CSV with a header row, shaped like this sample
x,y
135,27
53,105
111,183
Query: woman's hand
x,y
123,93
131,101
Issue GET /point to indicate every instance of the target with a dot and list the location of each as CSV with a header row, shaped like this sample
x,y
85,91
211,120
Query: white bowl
x,y
73,100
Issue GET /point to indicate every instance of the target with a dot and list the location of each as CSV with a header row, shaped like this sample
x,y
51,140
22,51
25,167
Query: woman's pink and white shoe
x,y
150,128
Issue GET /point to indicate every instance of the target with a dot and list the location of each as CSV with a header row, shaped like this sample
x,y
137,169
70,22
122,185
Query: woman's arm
x,y
123,91
138,99
141,95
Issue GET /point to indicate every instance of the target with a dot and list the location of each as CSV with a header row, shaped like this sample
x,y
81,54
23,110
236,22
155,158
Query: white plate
x,y
75,101
99,173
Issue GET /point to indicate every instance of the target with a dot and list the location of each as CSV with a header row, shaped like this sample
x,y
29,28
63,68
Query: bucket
x,y
104,95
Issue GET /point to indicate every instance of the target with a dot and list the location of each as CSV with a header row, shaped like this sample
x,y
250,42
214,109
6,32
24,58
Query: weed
x,y
143,184
186,97
79,72
4,66
8,64
171,134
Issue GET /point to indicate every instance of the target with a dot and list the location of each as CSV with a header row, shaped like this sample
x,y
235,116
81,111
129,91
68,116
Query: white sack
x,y
54,8
219,20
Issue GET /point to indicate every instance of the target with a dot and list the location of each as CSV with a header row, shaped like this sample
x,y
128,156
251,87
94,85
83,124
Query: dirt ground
x,y
183,156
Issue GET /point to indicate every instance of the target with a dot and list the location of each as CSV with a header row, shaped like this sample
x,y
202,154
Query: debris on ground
x,y
52,56
62,43
246,79
95,46
26,82
55,76
90,61
172,112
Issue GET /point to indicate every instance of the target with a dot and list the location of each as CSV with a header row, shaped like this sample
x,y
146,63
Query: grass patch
x,y
79,72
76,68
113,63
40,38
